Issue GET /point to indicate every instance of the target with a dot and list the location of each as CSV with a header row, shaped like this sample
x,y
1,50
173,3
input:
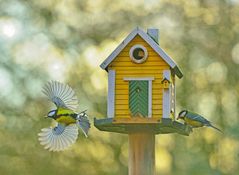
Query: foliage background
x,y
66,40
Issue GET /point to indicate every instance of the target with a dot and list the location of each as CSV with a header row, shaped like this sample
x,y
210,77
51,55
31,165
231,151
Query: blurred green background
x,y
66,40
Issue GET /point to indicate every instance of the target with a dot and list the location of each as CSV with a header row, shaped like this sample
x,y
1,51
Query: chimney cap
x,y
154,34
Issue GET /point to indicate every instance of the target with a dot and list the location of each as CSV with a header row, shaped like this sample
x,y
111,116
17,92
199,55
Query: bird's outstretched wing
x,y
58,138
61,94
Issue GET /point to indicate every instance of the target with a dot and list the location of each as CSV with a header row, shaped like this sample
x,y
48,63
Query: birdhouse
x,y
141,85
166,81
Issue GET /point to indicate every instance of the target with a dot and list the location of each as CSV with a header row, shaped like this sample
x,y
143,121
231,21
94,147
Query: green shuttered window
x,y
138,98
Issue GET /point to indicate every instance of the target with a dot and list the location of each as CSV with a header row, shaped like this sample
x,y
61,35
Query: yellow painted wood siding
x,y
124,67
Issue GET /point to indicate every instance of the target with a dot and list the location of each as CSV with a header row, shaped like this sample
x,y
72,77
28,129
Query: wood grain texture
x,y
141,153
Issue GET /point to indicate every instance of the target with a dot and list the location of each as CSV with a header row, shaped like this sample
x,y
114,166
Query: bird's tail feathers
x,y
215,128
83,123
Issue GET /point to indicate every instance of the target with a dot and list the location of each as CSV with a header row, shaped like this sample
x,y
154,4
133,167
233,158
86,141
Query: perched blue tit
x,y
65,133
195,120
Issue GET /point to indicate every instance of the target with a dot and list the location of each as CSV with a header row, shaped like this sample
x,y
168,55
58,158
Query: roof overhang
x,y
151,42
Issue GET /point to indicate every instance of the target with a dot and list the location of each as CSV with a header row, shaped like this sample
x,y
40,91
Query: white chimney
x,y
154,34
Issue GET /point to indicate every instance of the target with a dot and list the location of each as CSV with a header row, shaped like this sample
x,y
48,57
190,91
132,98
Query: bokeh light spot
x,y
9,28
216,72
5,82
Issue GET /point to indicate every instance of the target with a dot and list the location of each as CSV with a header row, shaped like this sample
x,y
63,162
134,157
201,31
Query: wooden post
x,y
141,153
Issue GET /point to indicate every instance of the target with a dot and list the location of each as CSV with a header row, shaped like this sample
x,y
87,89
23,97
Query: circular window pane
x,y
138,54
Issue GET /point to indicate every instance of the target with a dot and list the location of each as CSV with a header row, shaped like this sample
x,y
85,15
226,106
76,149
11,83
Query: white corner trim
x,y
111,94
138,78
166,96
166,103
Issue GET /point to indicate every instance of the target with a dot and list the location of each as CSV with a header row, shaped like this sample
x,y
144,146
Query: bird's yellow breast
x,y
193,122
66,120
64,116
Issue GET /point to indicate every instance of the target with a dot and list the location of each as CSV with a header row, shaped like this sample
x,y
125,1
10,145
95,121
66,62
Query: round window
x,y
138,53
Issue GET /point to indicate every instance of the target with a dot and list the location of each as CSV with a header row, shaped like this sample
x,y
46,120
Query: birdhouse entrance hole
x,y
138,53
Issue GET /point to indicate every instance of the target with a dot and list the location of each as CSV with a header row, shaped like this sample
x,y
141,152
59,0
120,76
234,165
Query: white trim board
x,y
166,96
138,78
150,98
111,94
166,103
151,42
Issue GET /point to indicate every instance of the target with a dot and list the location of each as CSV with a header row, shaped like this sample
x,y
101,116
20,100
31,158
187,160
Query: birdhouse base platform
x,y
163,126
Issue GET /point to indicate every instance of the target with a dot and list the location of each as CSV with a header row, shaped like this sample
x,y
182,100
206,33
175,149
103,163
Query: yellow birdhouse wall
x,y
138,99
124,68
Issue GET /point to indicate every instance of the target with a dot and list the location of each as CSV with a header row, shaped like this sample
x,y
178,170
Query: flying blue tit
x,y
65,133
195,120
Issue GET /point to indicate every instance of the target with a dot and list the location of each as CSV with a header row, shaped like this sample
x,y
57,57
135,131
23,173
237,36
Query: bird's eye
x,y
51,113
